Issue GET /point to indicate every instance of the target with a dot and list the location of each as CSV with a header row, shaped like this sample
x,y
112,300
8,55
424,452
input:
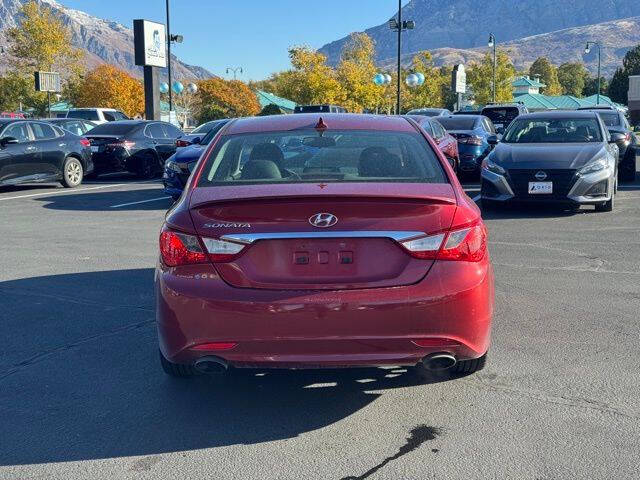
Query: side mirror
x,y
493,139
8,141
617,137
196,141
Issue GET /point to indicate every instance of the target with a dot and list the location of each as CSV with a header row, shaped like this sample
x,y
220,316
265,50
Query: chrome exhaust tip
x,y
439,361
211,365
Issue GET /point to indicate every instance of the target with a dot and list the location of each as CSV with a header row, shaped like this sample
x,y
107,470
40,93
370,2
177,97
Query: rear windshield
x,y
212,133
335,156
610,119
113,129
206,127
501,116
425,113
553,130
457,122
84,114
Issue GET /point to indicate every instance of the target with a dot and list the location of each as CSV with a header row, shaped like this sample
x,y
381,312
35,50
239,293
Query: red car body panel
x,y
368,311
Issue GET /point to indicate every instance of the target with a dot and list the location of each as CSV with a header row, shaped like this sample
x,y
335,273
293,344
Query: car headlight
x,y
490,165
173,166
593,167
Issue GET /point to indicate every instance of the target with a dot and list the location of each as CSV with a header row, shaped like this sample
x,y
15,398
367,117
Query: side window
x,y
86,126
18,131
173,132
119,115
42,131
155,130
488,125
427,128
109,116
438,130
75,128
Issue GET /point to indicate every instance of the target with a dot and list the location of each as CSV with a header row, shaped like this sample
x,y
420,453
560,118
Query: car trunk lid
x,y
286,251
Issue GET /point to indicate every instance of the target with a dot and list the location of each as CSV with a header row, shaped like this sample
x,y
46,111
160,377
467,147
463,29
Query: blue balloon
x,y
379,79
178,87
420,78
164,87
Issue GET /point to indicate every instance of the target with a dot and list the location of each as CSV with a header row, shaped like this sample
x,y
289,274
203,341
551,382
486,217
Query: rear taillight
x,y
221,250
207,347
466,244
182,143
84,142
470,140
180,249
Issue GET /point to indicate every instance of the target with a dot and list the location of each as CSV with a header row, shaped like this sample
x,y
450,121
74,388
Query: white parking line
x,y
63,190
141,201
476,198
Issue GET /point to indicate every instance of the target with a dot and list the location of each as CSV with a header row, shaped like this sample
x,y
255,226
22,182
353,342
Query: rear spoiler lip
x,y
435,199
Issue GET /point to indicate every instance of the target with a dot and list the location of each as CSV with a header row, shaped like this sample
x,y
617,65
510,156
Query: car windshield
x,y
553,130
336,156
457,123
610,119
84,114
501,116
113,128
215,128
205,127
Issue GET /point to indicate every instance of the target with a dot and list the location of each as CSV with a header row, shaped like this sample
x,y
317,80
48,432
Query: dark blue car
x,y
473,133
179,166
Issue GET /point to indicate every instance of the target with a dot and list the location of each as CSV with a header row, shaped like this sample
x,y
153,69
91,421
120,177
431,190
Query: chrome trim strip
x,y
249,238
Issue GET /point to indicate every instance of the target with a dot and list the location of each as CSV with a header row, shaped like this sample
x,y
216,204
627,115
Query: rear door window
x,y
109,116
156,130
173,132
42,131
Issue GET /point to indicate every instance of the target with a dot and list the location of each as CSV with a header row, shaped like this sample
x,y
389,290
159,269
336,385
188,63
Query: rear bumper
x,y
452,307
107,162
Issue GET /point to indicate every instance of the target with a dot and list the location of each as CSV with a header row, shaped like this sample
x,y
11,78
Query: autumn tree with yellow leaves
x,y
220,98
109,87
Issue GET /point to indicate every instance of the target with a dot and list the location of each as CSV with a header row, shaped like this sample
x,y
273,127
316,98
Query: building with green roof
x,y
527,85
265,99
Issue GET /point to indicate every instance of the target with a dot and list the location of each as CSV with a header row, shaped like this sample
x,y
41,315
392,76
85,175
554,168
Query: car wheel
x,y
467,367
72,172
606,206
147,167
176,369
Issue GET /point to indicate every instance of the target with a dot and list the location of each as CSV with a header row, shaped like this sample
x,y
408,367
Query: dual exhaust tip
x,y
214,365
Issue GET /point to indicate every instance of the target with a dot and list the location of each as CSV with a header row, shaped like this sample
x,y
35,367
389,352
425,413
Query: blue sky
x,y
254,34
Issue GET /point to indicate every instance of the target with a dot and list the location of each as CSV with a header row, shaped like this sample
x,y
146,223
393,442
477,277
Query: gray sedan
x,y
563,157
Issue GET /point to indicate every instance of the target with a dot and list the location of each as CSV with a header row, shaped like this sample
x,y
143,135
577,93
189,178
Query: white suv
x,y
97,115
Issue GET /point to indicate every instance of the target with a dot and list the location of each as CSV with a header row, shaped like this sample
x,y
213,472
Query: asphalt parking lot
x,y
82,394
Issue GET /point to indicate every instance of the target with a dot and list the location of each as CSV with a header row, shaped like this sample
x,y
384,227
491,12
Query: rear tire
x,y
176,369
72,173
148,167
467,367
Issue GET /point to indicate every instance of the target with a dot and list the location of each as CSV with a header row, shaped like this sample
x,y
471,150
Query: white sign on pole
x,y
151,42
459,79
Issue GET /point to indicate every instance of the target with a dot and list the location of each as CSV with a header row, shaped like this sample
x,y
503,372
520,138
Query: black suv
x,y
502,114
138,146
622,134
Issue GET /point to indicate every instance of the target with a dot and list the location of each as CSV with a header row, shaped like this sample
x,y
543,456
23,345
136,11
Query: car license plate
x,y
95,149
537,188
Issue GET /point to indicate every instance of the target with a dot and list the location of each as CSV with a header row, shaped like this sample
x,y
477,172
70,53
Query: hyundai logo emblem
x,y
323,220
541,175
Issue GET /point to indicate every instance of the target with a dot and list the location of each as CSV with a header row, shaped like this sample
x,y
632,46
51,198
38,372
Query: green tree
x,y
591,86
619,87
14,90
433,93
480,78
548,75
572,78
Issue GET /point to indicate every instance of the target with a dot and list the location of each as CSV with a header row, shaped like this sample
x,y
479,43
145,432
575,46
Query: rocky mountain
x,y
456,30
561,46
104,41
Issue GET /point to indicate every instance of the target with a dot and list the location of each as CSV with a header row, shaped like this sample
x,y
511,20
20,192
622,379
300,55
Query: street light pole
x,y
399,54
234,70
587,50
492,43
169,59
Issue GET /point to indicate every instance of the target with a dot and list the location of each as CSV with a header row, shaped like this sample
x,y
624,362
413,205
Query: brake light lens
x,y
467,244
180,249
217,346
221,250
84,142
182,143
473,140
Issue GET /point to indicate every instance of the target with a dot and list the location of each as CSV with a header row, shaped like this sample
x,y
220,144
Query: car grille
x,y
562,180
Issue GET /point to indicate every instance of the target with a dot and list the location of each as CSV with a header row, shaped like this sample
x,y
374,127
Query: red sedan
x,y
446,142
327,240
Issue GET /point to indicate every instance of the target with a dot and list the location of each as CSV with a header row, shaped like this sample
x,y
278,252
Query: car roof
x,y
502,105
560,114
334,121
92,108
476,116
